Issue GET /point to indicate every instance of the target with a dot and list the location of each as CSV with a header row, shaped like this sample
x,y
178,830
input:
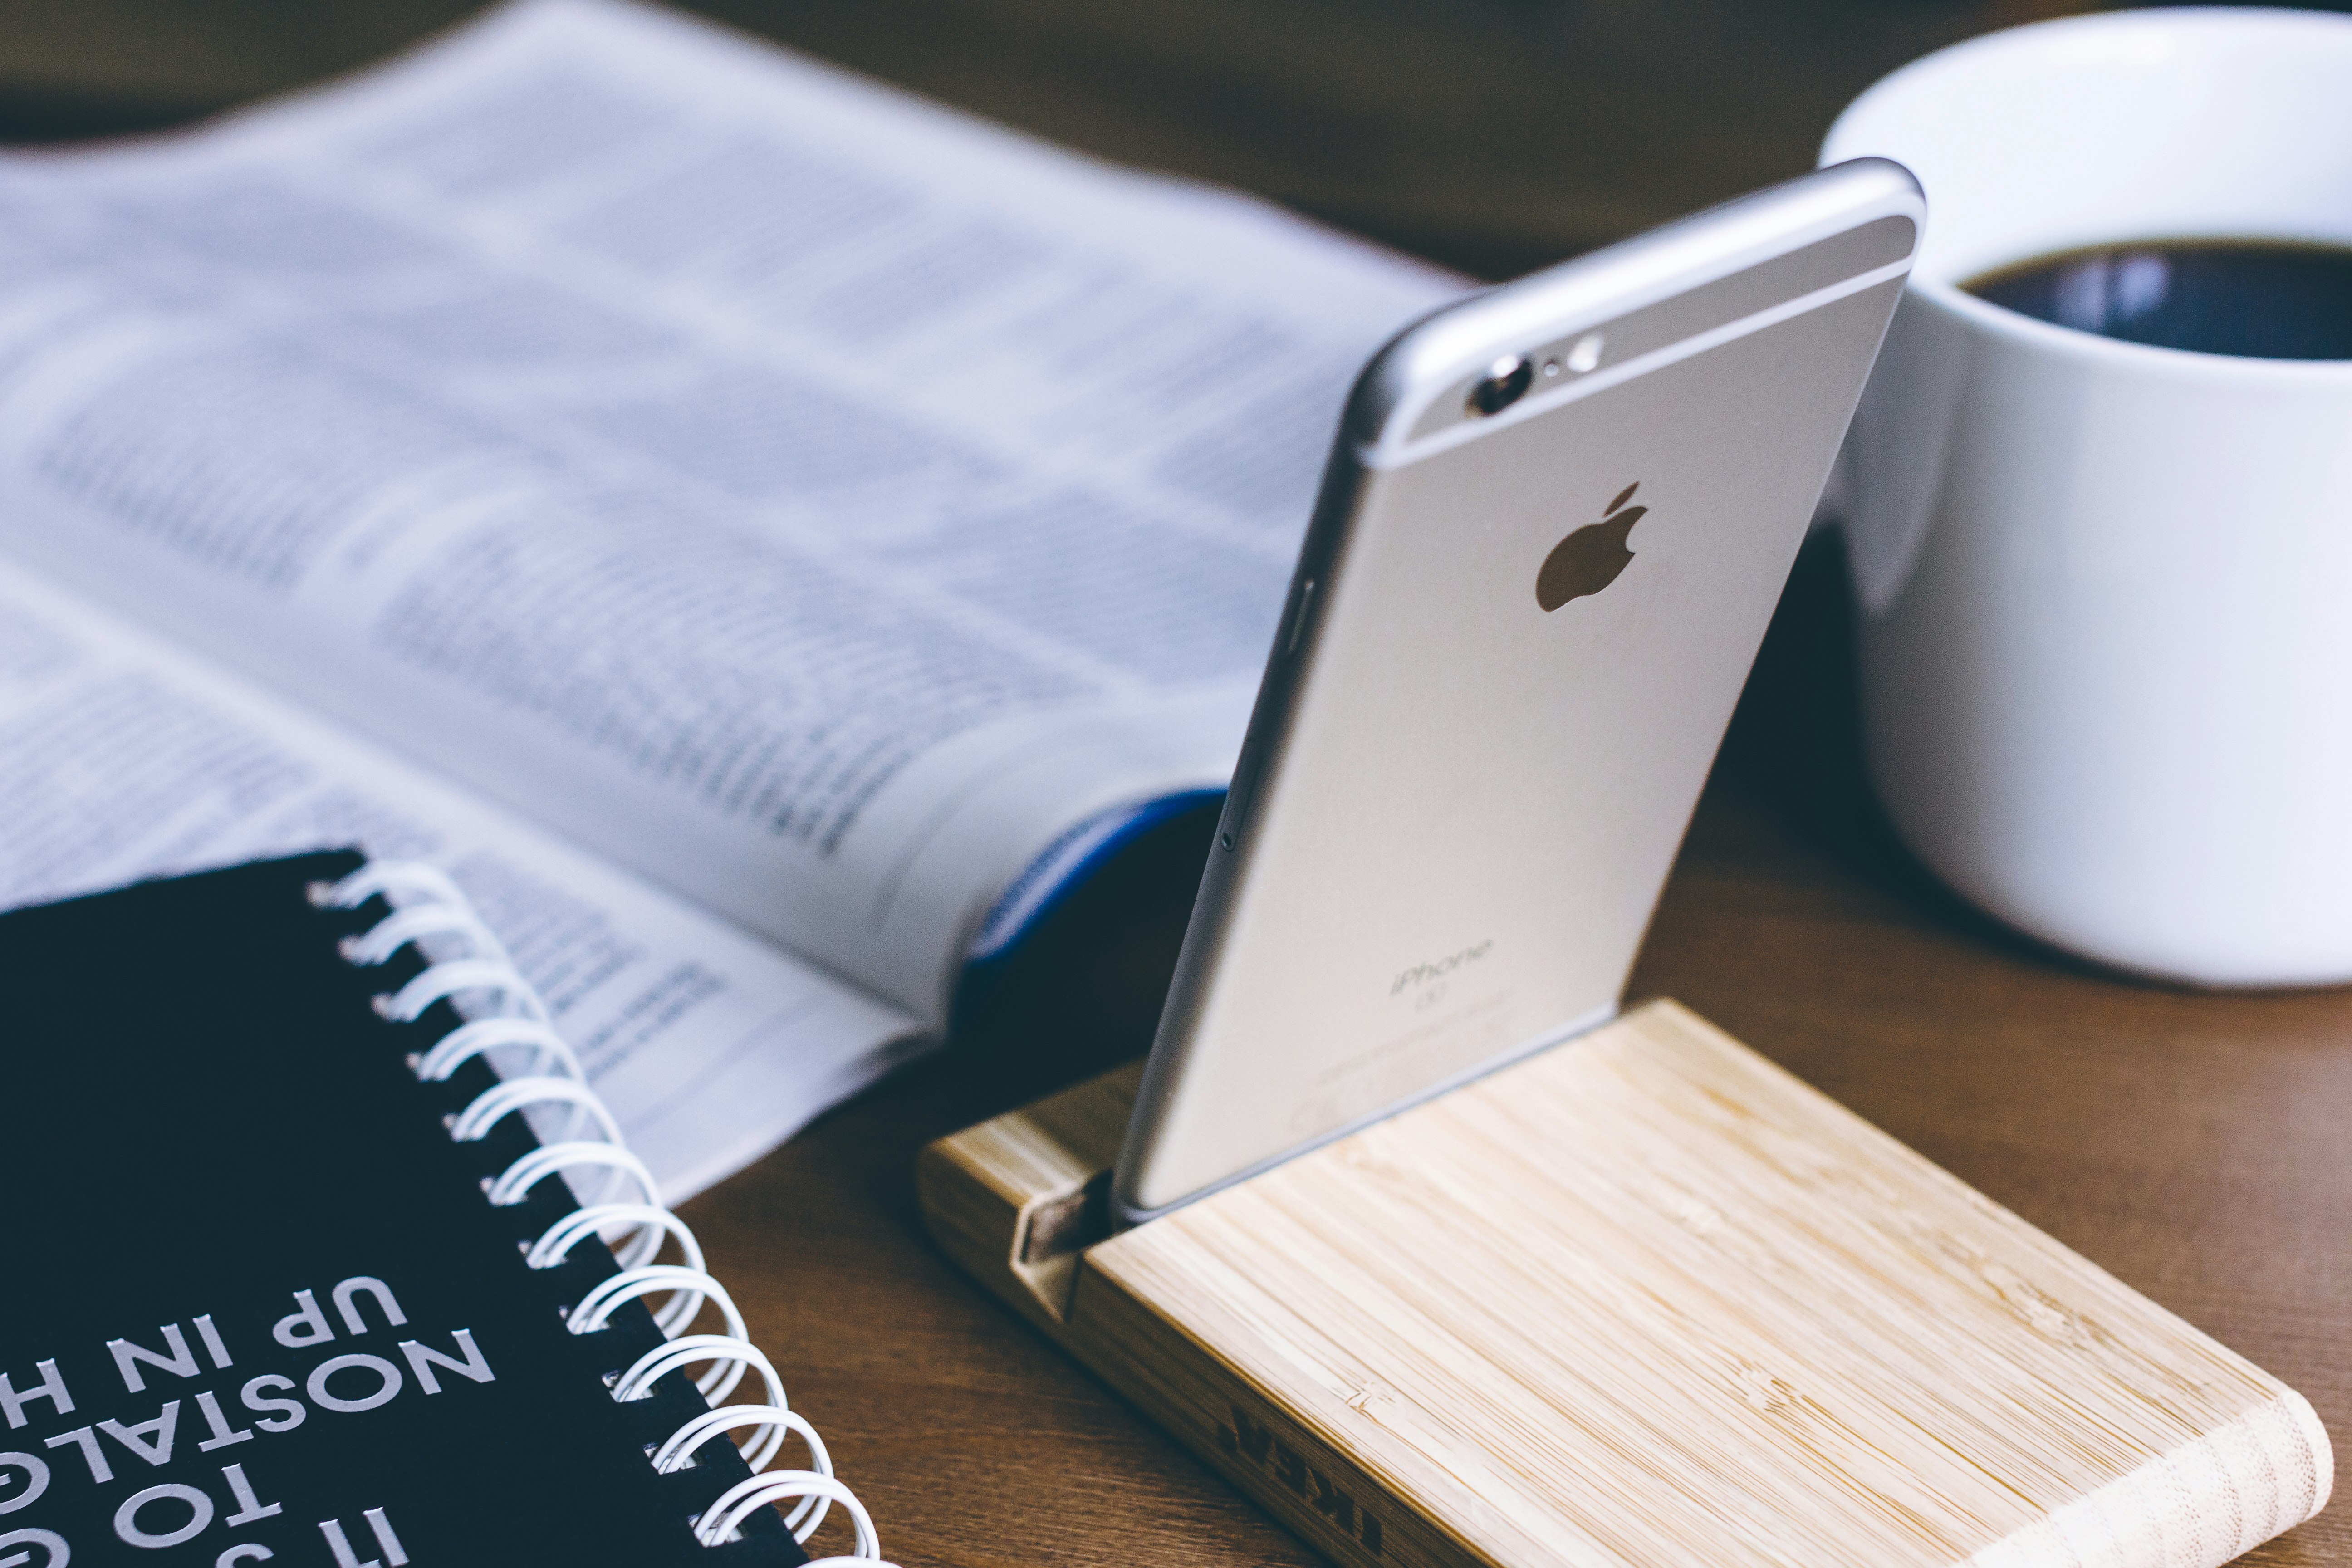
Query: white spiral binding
x,y
507,1024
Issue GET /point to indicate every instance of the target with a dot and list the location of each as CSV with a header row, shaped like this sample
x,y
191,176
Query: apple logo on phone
x,y
1589,559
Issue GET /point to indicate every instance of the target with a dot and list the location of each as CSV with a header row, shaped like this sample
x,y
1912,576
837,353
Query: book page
x,y
813,498
120,759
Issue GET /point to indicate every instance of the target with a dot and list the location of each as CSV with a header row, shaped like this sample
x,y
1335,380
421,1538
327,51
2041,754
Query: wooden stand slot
x,y
1643,1299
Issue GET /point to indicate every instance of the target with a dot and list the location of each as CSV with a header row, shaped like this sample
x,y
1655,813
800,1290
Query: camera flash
x,y
1586,354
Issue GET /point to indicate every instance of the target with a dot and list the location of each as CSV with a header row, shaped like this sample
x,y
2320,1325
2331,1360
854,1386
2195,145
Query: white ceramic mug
x,y
2105,589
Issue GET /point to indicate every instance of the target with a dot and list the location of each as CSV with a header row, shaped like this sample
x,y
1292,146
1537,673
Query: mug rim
x,y
2170,23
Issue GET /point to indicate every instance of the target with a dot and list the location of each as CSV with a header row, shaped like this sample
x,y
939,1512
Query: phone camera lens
x,y
1501,386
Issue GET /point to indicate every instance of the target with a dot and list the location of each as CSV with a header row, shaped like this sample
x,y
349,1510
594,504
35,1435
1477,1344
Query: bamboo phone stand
x,y
1643,1299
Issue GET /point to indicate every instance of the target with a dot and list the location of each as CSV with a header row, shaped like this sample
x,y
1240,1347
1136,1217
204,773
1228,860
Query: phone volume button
x,y
1237,797
1298,616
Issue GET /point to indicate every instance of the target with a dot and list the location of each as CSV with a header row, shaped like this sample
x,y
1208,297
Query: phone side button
x,y
1304,608
1237,797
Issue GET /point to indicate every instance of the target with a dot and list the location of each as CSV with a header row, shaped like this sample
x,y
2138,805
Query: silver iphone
x,y
1554,527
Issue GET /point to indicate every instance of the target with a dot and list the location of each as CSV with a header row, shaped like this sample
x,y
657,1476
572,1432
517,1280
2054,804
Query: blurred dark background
x,y
1494,135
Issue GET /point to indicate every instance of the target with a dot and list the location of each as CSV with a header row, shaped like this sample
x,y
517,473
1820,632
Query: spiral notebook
x,y
296,1271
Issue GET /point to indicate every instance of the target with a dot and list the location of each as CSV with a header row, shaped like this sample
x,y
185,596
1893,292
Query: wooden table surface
x,y
2196,1145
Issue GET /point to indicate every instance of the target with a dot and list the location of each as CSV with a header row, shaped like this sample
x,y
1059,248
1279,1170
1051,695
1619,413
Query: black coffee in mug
x,y
2258,299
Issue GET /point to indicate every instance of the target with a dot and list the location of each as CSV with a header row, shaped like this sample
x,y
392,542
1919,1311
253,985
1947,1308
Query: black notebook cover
x,y
201,1115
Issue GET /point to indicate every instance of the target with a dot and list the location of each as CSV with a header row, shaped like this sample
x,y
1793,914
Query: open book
x,y
762,534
